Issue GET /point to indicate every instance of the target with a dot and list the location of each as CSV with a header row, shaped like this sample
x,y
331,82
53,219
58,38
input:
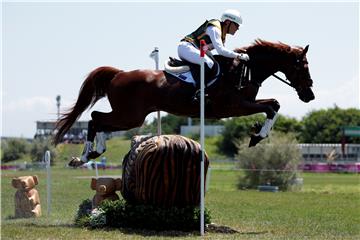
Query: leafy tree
x,y
13,149
144,129
239,128
274,162
38,149
171,124
288,125
325,126
236,128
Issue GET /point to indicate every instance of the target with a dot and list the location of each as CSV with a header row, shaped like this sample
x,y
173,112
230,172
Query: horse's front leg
x,y
243,108
273,107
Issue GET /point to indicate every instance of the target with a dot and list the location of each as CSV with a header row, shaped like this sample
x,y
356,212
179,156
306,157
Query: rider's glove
x,y
243,57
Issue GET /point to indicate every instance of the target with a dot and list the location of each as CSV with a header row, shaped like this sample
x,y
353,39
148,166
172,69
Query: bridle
x,y
287,81
298,65
245,74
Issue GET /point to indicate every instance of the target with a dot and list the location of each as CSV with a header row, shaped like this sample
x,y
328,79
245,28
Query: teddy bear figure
x,y
27,200
105,189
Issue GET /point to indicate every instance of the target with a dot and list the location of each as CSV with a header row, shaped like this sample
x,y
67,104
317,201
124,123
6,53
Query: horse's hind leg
x,y
109,122
89,145
96,129
93,132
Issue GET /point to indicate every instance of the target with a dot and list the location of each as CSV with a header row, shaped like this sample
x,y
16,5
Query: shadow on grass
x,y
24,222
210,228
129,231
163,233
254,233
213,228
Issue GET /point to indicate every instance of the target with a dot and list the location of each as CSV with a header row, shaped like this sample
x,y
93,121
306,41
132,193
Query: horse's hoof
x,y
93,155
75,162
255,140
256,128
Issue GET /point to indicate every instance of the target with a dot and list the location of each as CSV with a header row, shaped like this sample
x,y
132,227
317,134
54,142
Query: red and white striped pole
x,y
203,49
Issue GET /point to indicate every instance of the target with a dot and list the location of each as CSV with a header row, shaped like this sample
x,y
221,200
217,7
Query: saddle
x,y
187,71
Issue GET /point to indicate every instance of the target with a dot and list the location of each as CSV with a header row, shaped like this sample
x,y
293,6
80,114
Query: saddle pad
x,y
185,77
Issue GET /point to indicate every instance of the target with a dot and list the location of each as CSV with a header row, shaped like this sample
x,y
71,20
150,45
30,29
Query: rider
x,y
214,33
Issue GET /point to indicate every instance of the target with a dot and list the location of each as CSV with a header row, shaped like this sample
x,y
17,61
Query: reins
x,y
246,73
284,81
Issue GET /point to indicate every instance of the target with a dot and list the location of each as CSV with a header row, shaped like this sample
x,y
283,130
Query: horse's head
x,y
297,72
267,58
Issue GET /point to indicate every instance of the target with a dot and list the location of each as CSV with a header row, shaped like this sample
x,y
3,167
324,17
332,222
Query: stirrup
x,y
100,142
197,95
87,150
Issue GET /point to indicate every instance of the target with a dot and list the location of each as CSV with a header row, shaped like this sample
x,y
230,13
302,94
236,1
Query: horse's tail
x,y
94,87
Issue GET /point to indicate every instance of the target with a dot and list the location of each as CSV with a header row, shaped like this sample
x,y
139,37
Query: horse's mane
x,y
260,50
263,45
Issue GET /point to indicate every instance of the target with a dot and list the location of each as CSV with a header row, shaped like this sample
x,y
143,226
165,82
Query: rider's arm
x,y
215,37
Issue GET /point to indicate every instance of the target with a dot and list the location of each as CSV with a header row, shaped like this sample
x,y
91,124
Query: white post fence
x,y
203,49
96,170
155,55
47,159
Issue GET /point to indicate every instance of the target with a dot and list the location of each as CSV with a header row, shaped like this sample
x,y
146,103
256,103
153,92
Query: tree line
x,y
318,126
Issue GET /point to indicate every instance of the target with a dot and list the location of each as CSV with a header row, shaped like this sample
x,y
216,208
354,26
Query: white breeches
x,y
190,53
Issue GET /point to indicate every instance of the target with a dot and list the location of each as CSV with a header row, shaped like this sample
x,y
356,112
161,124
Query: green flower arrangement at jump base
x,y
120,214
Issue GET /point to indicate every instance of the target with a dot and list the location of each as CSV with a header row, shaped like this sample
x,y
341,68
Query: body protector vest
x,y
200,33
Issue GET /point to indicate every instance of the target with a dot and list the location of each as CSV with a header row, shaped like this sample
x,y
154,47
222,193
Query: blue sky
x,y
48,48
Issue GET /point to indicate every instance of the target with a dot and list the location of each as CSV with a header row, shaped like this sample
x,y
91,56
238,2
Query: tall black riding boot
x,y
210,74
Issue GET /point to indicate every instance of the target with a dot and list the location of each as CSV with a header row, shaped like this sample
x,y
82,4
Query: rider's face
x,y
233,27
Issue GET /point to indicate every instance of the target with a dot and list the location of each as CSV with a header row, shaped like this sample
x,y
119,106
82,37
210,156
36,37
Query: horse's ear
x,y
305,50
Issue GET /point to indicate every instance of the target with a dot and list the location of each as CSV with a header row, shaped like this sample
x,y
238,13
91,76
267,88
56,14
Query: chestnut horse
x,y
135,94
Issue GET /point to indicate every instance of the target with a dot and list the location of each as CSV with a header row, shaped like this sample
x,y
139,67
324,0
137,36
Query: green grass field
x,y
328,207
